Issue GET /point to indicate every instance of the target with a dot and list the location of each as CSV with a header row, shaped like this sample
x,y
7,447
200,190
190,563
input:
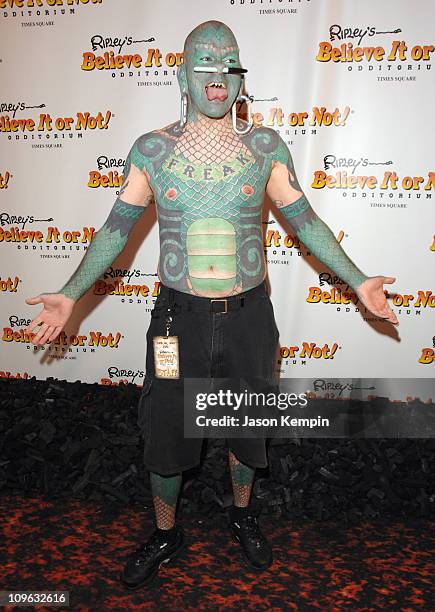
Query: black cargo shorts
x,y
232,337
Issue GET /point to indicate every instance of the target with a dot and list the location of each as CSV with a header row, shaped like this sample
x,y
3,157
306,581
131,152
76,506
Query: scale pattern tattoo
x,y
107,243
242,479
314,232
165,490
105,247
209,193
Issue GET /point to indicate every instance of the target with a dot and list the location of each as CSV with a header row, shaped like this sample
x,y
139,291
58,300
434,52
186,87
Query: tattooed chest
x,y
228,185
210,224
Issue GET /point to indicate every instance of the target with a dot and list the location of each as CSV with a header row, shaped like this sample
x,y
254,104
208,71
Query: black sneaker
x,y
144,563
256,548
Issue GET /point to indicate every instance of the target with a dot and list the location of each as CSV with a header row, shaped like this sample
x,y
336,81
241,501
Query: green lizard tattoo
x,y
209,183
107,243
165,490
242,478
314,232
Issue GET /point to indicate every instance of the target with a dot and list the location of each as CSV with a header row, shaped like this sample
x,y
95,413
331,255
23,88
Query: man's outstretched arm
x,y
285,192
108,242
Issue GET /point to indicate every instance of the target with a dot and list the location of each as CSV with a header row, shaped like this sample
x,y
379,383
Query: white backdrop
x,y
368,116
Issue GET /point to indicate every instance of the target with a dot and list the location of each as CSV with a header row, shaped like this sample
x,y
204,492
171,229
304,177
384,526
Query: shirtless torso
x,y
209,187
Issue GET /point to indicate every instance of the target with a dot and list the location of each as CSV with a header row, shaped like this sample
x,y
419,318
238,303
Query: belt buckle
x,y
222,300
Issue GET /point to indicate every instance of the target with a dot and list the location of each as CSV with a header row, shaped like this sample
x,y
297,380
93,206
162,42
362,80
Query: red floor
x,y
81,547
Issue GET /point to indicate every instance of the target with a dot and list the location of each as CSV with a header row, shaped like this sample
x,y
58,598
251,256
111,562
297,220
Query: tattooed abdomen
x,y
209,207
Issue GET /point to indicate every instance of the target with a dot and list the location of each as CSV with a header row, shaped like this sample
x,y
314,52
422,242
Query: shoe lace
x,y
147,550
252,529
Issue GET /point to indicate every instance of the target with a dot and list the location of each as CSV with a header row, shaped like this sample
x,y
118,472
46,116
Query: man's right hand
x,y
134,196
52,318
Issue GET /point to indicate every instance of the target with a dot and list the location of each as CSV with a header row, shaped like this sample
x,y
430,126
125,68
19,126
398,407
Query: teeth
x,y
219,85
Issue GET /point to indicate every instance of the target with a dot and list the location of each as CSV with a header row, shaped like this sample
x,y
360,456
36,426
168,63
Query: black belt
x,y
181,300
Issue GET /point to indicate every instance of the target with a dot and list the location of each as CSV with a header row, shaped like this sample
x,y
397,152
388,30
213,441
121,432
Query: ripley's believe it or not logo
x,y
93,339
52,235
398,52
101,58
46,125
421,300
388,189
390,180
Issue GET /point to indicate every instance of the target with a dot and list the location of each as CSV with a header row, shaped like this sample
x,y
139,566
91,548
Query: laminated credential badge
x,y
166,360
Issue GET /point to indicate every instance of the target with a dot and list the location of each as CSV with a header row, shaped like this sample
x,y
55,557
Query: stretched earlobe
x,y
248,101
183,109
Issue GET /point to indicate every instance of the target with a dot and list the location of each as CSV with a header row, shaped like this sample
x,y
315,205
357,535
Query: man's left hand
x,y
371,293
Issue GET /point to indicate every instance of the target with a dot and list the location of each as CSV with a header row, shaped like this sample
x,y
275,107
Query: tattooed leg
x,y
165,490
242,478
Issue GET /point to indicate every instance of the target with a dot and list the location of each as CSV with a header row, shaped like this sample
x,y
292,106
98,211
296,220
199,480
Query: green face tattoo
x,y
211,44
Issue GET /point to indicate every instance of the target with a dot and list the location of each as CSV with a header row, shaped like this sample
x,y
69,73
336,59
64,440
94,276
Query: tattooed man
x,y
208,174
